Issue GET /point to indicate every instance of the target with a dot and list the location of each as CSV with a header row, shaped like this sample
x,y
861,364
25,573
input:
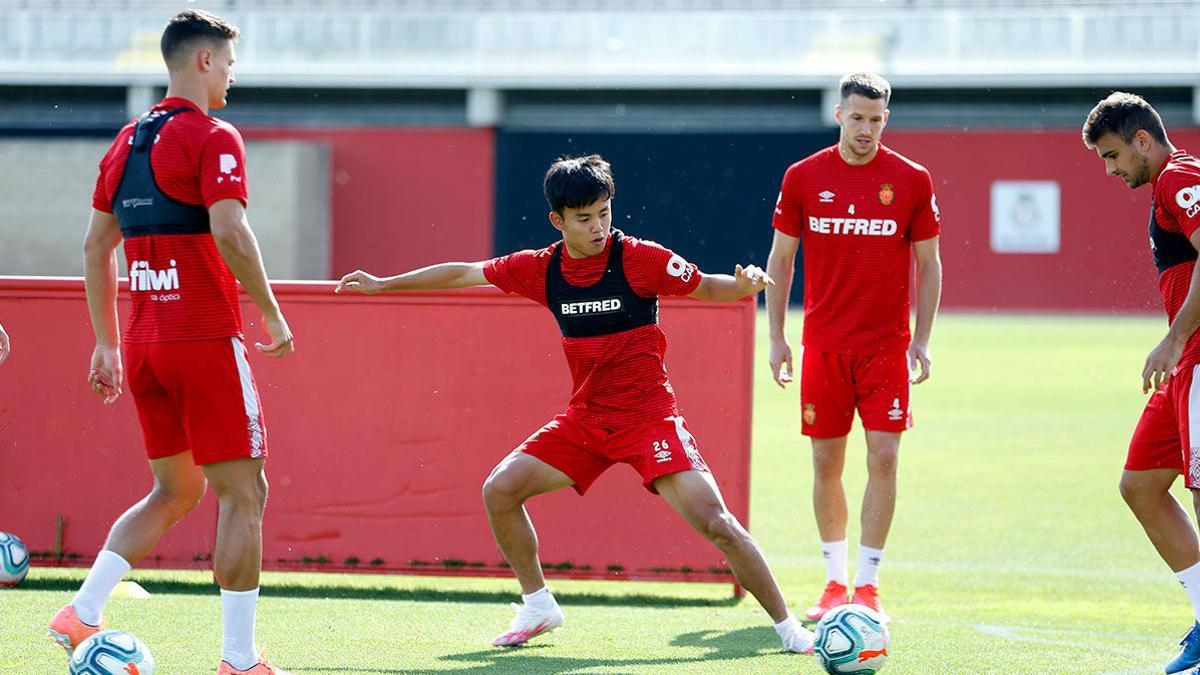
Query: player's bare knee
x,y
883,462
1136,493
722,529
500,491
826,468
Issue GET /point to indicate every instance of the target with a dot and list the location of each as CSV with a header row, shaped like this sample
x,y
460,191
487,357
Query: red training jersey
x,y
856,225
180,286
619,379
1176,209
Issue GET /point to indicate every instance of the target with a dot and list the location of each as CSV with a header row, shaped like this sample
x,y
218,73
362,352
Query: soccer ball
x,y
14,560
851,640
112,652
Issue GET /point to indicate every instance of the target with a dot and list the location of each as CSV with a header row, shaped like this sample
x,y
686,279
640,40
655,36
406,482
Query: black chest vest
x,y
1169,248
606,307
141,208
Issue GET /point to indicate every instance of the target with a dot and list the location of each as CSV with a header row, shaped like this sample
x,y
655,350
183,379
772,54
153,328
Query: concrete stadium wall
x,y
46,189
381,430
404,197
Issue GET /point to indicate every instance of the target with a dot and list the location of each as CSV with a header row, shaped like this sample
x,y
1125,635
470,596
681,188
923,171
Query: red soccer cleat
x,y
868,596
835,594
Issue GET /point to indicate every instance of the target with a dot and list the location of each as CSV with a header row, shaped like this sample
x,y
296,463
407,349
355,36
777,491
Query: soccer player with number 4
x,y
1127,133
863,212
603,287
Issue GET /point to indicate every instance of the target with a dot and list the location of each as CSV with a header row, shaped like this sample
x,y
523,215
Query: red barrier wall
x,y
1104,259
381,430
404,196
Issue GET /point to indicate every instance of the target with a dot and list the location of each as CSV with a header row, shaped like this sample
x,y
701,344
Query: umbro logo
x,y
826,197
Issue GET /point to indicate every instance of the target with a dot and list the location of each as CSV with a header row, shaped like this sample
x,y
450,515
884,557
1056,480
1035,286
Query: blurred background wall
x,y
393,134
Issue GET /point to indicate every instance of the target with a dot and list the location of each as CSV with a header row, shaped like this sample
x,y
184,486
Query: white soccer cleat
x,y
799,641
531,622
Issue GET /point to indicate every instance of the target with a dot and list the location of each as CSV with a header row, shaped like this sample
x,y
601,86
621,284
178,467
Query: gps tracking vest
x,y
140,207
606,307
1169,248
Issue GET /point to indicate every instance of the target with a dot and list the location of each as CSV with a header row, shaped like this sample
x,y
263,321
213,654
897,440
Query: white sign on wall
x,y
1025,216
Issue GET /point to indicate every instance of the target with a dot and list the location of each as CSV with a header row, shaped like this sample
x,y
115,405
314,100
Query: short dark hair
x,y
1123,114
865,84
190,26
575,182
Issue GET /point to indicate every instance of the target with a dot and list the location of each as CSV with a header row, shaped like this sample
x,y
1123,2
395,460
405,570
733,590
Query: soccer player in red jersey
x,y
863,212
1127,133
603,287
173,187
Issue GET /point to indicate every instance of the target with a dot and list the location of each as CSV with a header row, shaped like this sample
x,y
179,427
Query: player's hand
x,y
5,347
918,356
360,281
1159,364
106,375
781,362
282,341
751,279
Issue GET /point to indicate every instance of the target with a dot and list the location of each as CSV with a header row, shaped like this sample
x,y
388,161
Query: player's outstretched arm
x,y
1165,356
239,248
781,265
929,296
100,279
725,288
432,278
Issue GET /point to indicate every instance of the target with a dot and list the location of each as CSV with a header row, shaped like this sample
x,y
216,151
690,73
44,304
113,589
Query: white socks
x,y
836,556
867,573
868,566
104,576
786,627
540,598
237,628
1190,580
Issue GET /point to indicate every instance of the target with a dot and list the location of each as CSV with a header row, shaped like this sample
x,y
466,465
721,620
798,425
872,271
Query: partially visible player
x,y
173,187
5,345
864,213
603,287
1127,133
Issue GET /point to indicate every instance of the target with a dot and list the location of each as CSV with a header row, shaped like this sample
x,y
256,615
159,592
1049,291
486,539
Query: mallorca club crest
x,y
810,415
886,194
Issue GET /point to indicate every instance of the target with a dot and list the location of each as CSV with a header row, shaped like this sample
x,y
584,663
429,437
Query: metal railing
x,y
330,45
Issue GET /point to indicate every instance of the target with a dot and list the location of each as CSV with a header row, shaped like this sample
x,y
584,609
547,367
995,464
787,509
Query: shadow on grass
x,y
176,587
744,643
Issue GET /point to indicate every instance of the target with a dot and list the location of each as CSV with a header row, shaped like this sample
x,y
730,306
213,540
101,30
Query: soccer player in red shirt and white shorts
x,y
603,287
863,213
1128,134
173,187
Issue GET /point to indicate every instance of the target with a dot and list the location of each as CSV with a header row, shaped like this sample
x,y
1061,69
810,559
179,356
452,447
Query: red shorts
x,y
833,386
583,451
1166,436
197,396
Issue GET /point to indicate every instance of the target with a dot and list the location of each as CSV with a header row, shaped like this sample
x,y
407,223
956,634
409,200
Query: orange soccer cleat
x,y
68,631
260,668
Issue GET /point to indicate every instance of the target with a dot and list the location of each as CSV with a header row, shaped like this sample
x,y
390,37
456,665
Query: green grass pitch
x,y
1011,551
